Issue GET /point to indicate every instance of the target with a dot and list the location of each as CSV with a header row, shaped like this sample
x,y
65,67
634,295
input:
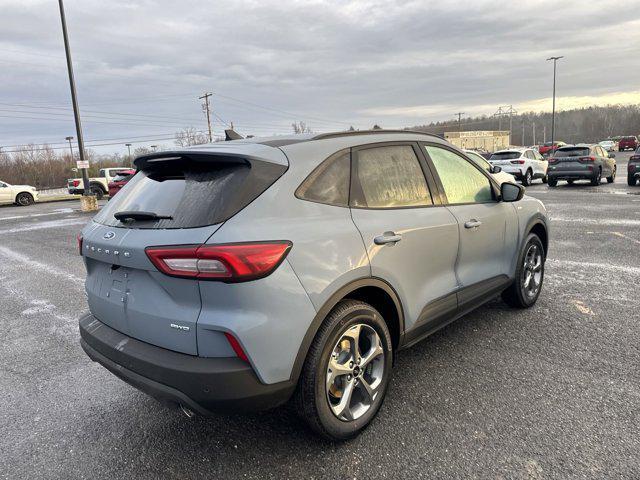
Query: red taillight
x,y
587,159
233,341
518,162
238,262
76,183
79,239
553,160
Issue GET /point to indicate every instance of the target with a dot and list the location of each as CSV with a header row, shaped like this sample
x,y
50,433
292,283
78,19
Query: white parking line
x,y
603,266
38,266
58,211
44,225
595,221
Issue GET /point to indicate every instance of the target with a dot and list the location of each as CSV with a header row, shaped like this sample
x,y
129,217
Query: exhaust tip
x,y
187,411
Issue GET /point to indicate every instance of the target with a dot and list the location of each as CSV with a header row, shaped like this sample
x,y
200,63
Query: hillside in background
x,y
590,125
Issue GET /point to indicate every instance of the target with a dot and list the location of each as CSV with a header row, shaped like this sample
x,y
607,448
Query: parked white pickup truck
x,y
99,186
22,195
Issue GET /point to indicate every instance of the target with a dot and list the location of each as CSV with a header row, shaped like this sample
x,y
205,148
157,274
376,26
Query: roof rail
x,y
323,136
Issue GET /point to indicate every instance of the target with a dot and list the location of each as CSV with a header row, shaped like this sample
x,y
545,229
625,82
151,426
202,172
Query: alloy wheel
x,y
532,272
355,372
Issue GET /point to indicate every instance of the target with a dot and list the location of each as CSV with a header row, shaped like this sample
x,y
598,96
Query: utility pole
x,y
87,204
206,106
128,145
68,139
459,114
534,133
553,109
544,133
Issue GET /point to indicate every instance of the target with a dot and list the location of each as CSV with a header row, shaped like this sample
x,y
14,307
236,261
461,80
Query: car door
x,y
543,164
488,228
5,193
410,238
608,163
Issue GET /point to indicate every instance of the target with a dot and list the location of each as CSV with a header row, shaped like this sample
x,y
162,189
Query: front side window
x,y
389,177
462,182
329,182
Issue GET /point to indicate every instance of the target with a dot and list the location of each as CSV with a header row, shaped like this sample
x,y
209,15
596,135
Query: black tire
x,y
553,182
312,397
570,182
24,199
612,178
96,191
516,295
527,178
597,179
545,179
631,180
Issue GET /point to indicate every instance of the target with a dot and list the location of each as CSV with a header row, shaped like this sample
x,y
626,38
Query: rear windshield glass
x,y
122,176
192,194
505,156
629,139
572,152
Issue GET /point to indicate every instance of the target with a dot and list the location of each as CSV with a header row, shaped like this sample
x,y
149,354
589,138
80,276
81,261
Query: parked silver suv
x,y
240,274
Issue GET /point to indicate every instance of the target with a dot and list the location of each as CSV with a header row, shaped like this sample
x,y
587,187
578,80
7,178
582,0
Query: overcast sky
x,y
140,65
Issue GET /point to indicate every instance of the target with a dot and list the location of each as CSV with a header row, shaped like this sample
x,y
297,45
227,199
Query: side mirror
x,y
510,192
495,169
612,155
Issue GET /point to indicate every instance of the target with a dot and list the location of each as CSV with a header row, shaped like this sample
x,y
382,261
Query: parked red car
x,y
120,181
629,142
548,149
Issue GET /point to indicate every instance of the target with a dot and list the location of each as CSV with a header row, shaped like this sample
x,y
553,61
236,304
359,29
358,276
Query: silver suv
x,y
242,274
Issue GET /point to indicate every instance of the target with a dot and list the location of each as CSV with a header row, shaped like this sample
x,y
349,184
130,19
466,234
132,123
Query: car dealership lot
x,y
551,392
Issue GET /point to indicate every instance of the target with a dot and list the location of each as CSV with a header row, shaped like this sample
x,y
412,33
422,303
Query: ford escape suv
x,y
242,274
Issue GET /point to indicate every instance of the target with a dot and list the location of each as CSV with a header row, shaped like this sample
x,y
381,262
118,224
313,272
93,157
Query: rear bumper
x,y
571,174
204,385
76,191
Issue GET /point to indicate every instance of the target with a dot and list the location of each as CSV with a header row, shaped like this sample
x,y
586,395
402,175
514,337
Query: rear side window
x,y
389,177
462,182
192,193
329,182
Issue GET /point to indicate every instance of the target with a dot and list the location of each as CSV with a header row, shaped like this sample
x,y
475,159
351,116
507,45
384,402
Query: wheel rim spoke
x,y
355,371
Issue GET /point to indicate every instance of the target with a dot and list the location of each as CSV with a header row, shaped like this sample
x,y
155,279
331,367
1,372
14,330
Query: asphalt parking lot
x,y
551,392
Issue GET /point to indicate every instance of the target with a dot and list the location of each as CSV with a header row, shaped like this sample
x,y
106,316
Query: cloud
x,y
329,63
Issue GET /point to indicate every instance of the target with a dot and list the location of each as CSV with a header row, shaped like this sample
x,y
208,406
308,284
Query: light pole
x,y
553,108
128,145
68,139
87,204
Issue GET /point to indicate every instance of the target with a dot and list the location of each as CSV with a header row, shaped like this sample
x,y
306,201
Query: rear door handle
x,y
387,237
473,223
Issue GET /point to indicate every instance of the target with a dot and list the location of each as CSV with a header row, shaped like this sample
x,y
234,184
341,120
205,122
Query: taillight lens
x,y
79,240
553,160
76,183
587,159
238,262
518,162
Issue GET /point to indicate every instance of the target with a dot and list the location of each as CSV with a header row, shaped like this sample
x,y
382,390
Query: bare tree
x,y
190,136
300,127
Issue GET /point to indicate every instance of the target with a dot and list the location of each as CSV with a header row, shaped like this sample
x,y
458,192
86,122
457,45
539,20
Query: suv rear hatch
x,y
503,158
191,193
571,158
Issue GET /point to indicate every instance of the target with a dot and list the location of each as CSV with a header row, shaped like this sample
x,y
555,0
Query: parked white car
x,y
608,145
500,176
525,164
22,195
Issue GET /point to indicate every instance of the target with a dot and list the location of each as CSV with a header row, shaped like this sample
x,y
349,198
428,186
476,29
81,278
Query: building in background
x,y
487,140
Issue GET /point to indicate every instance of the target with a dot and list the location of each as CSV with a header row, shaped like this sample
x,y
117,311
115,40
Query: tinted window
x,y
504,156
329,182
462,182
192,193
572,152
388,177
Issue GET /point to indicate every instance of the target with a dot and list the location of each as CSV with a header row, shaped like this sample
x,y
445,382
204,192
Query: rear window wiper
x,y
137,215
